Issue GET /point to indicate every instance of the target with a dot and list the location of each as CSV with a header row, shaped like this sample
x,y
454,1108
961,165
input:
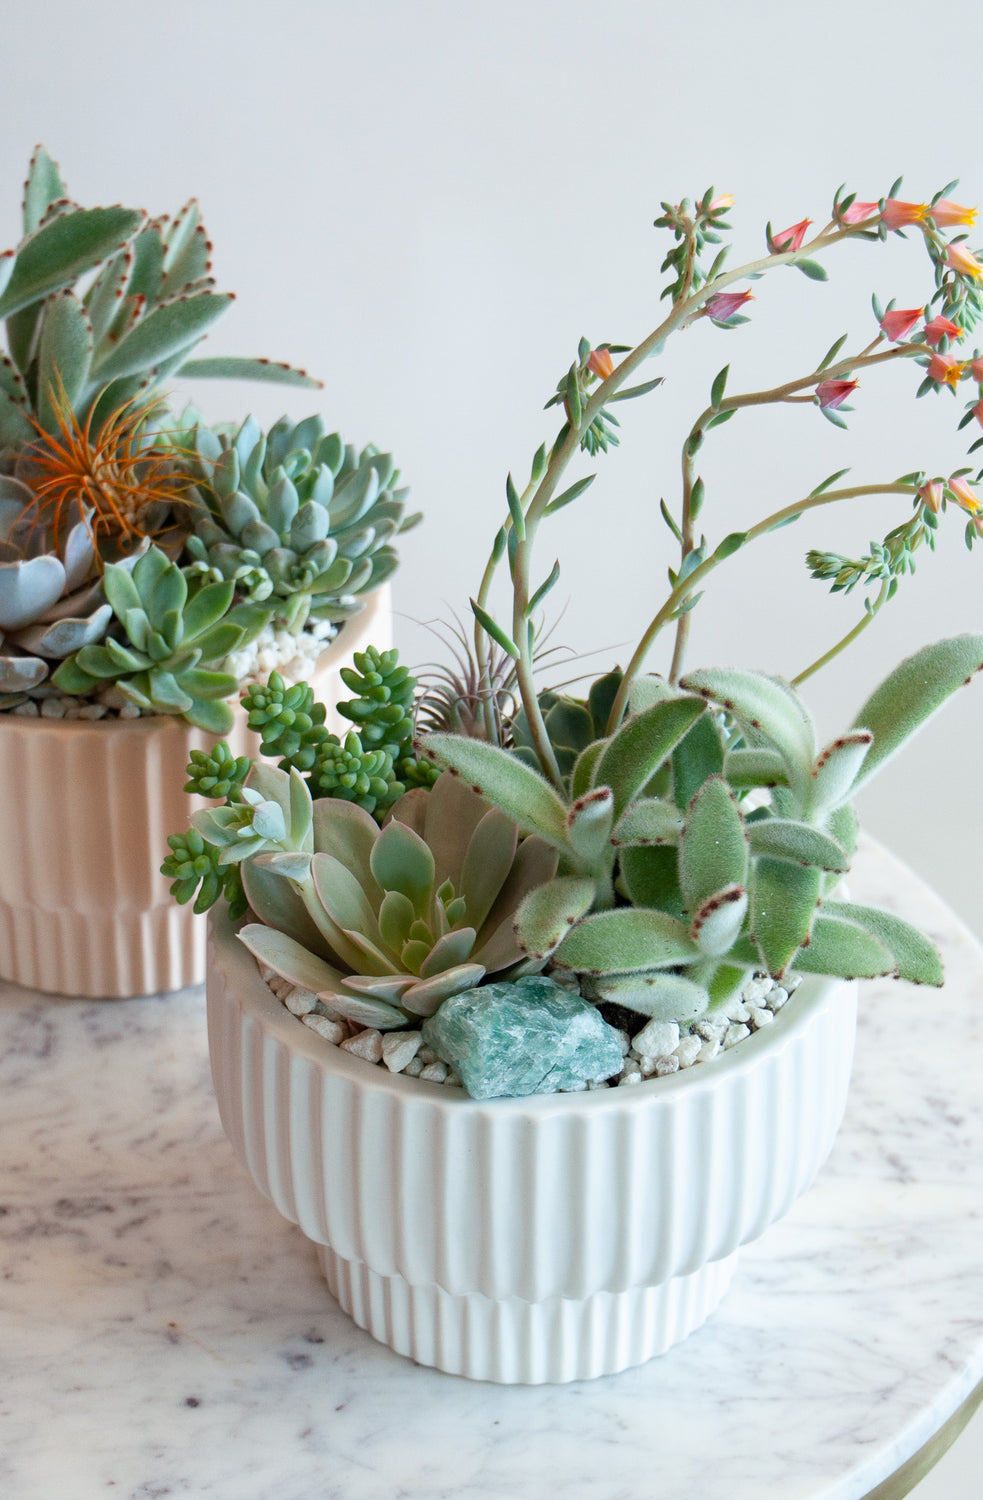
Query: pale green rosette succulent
x,y
383,925
51,598
176,630
295,518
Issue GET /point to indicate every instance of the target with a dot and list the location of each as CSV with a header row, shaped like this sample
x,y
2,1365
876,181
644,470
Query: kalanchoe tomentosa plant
x,y
698,826
97,481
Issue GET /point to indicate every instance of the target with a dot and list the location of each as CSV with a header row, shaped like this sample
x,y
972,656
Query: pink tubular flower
x,y
963,261
723,305
897,214
976,370
791,238
601,363
965,496
898,321
948,215
858,212
931,495
978,412
946,370
725,200
941,328
832,393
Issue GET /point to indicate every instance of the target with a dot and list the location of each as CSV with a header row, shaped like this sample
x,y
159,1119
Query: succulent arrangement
x,y
633,857
140,550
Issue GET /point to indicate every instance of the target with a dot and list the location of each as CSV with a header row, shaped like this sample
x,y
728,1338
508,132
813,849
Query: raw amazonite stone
x,y
527,1037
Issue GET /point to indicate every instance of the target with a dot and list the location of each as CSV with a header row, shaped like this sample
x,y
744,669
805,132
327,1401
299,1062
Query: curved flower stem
x,y
683,311
780,393
683,589
850,636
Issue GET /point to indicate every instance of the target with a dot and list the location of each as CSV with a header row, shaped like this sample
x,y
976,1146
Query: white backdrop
x,y
427,204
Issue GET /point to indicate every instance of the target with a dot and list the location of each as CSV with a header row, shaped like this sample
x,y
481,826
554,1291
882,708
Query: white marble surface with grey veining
x,y
164,1333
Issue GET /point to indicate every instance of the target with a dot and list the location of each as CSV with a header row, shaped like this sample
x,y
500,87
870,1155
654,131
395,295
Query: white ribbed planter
x,y
532,1240
85,810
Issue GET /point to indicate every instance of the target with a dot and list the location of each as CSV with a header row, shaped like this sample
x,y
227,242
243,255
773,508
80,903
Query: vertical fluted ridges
x,y
85,810
429,1200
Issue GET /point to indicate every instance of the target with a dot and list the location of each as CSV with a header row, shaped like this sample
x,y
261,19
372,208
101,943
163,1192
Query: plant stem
x,y
683,589
850,636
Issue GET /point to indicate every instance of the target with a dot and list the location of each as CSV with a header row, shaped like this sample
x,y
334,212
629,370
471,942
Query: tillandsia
x,y
102,308
695,826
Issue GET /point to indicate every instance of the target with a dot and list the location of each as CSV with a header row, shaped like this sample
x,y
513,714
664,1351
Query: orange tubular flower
x,y
832,393
931,494
896,214
948,215
601,363
963,261
965,496
941,328
791,238
946,370
899,321
858,213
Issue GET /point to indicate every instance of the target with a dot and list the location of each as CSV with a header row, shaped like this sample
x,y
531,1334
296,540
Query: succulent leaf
x,y
60,250
844,948
517,789
836,771
911,694
784,898
638,748
547,914
626,940
763,706
650,820
915,958
663,997
787,838
717,922
713,847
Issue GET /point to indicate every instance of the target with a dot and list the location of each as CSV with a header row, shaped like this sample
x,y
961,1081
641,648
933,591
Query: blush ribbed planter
x,y
545,1239
85,812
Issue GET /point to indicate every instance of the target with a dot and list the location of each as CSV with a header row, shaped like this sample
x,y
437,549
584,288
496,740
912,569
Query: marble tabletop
x,y
164,1333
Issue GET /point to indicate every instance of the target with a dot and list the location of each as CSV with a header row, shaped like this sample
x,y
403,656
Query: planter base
x,y
515,1342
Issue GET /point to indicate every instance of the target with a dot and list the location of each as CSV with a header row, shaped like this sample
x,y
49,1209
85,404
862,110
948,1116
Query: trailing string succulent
x,y
106,595
295,517
694,826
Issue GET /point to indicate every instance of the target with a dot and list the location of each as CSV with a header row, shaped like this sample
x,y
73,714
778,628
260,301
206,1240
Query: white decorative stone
x,y
434,1072
630,1076
736,1010
413,1068
735,1034
299,1002
760,1016
778,995
331,1031
756,989
367,1044
400,1048
657,1039
709,1050
666,1065
53,708
708,1029
689,1050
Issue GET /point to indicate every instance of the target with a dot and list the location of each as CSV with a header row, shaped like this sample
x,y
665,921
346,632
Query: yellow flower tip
x,y
725,200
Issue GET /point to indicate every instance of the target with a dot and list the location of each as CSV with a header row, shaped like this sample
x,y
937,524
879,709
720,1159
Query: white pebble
x,y
452,1080
735,1010
601,1083
93,711
427,1055
332,1031
657,1039
28,710
760,1016
709,1030
625,1043
574,1088
709,1050
129,711
435,1072
629,1078
53,708
414,1068
777,998
300,1002
367,1044
645,1066
792,982
399,1048
756,989
666,1065
735,1034
689,1050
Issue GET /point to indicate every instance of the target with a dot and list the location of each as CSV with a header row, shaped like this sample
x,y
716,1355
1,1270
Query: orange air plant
x,y
117,474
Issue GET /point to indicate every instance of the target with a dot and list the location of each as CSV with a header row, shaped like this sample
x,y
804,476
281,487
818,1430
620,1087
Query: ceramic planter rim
x,y
792,1019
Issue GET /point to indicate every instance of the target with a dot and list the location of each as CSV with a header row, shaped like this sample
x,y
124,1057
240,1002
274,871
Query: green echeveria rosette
x,y
384,924
295,518
174,629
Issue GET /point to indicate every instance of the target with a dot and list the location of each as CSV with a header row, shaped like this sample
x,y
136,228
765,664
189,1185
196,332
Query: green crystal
x,y
527,1037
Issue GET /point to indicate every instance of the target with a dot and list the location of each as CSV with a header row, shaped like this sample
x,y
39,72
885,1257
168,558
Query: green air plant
x,y
296,518
135,323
